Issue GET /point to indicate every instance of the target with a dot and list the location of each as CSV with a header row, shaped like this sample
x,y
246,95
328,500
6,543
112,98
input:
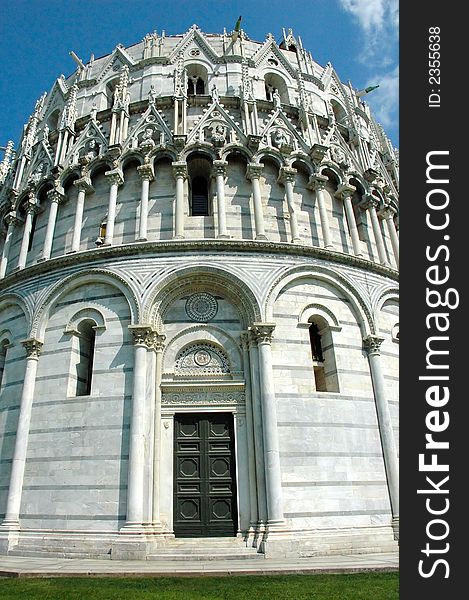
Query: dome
x,y
199,306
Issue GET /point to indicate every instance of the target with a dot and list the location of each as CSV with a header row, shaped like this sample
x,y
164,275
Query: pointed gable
x,y
216,116
152,119
193,39
118,59
270,51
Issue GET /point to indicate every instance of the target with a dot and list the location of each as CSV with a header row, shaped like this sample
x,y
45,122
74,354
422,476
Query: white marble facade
x,y
195,204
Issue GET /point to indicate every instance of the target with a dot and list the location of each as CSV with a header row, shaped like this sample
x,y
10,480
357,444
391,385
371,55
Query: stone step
x,y
214,556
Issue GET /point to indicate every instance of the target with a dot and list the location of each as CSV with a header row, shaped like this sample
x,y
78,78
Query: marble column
x,y
137,442
318,184
180,173
253,521
56,197
11,220
256,404
115,178
158,346
219,172
33,349
84,187
31,209
263,334
387,213
345,193
253,173
147,175
287,178
370,203
372,345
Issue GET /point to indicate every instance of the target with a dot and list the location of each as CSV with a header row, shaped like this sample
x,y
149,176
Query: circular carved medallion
x,y
202,358
201,307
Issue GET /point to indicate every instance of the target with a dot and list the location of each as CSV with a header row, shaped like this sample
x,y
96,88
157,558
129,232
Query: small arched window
x,y
84,367
4,345
197,78
318,358
199,197
322,355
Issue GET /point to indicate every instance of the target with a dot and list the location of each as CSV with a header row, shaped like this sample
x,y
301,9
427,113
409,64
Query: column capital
x,y
179,169
372,344
286,174
142,334
11,218
33,347
31,205
262,332
219,168
56,195
146,172
156,341
244,340
317,182
115,177
84,185
345,191
387,211
254,170
369,201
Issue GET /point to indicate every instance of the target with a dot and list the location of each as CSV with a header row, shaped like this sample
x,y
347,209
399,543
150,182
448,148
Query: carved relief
x,y
202,359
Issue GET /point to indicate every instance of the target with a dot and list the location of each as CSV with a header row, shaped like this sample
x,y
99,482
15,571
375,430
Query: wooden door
x,y
204,475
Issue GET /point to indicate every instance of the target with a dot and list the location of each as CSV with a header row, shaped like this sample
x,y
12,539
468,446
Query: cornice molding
x,y
100,257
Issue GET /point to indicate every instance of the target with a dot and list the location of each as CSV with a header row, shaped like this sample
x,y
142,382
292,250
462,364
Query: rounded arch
x,y
332,168
301,163
357,181
72,282
236,150
12,299
197,78
195,149
274,81
99,166
194,278
203,332
86,314
318,310
387,296
6,338
270,154
358,305
131,156
163,154
69,175
339,110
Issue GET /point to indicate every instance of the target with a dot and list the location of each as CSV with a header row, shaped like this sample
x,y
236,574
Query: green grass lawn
x,y
364,586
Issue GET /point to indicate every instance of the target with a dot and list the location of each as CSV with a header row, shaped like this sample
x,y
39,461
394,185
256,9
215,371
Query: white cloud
x,y
379,21
379,24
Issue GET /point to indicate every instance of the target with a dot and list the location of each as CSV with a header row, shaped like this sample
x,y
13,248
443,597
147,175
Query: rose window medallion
x,y
201,307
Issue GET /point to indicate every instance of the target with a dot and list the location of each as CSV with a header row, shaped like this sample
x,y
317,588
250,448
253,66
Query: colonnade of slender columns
x,y
317,183
370,203
387,213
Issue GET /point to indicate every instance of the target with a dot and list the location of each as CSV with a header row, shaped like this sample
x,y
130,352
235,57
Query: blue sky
x,y
359,38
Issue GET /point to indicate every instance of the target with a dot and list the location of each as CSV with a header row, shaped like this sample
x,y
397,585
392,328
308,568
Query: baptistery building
x,y
199,308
